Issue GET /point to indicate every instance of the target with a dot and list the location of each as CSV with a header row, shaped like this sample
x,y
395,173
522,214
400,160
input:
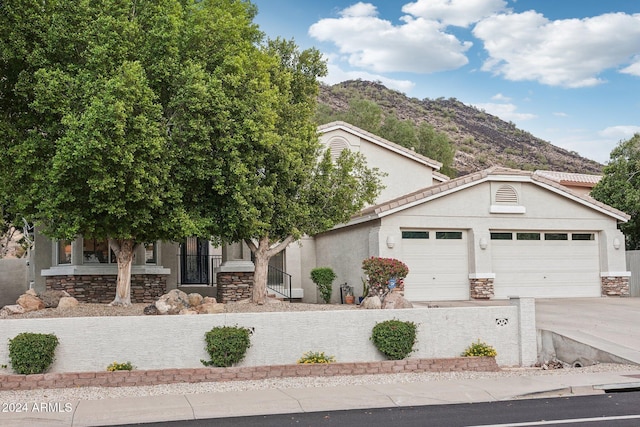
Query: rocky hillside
x,y
481,139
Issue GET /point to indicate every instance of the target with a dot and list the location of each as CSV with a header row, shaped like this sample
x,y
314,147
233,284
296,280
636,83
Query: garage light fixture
x,y
391,242
483,243
616,243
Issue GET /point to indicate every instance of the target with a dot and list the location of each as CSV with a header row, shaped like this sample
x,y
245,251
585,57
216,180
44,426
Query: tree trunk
x,y
124,251
262,253
261,262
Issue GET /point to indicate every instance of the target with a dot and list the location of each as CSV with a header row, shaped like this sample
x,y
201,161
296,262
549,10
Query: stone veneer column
x,y
481,287
234,277
615,286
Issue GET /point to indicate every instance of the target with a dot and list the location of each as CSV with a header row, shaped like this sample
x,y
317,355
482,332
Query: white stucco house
x,y
492,234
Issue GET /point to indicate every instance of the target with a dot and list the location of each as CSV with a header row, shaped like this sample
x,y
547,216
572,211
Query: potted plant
x,y
347,291
323,277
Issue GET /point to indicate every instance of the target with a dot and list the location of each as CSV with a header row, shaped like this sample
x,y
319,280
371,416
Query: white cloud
x,y
505,111
569,53
500,97
560,114
619,132
417,45
336,75
460,13
633,69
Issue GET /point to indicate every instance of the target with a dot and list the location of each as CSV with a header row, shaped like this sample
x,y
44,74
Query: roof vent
x,y
336,145
507,195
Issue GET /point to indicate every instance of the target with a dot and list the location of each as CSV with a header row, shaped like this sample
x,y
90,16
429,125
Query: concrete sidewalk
x,y
294,400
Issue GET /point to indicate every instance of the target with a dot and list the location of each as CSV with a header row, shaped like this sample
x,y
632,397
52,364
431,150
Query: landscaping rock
x,y
194,299
172,302
30,302
67,302
31,292
150,310
9,310
208,300
396,300
51,298
371,303
210,308
188,311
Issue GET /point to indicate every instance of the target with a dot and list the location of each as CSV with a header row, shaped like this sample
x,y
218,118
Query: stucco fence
x,y
166,342
13,280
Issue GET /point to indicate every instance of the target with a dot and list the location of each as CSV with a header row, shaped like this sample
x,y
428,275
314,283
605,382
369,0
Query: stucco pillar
x,y
480,267
614,277
528,344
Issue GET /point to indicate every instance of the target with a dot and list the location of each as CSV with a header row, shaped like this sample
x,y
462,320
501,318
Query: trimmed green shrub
x,y
380,270
323,277
32,353
394,338
226,345
316,357
480,349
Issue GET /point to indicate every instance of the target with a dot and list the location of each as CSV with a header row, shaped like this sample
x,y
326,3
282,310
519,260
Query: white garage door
x,y
545,265
438,265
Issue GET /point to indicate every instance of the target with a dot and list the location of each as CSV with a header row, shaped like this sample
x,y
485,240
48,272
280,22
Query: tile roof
x,y
568,178
438,190
384,143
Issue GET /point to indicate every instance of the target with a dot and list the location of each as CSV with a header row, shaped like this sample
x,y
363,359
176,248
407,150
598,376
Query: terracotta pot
x,y
349,299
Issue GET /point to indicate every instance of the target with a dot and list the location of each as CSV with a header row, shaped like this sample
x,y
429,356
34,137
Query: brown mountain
x,y
481,139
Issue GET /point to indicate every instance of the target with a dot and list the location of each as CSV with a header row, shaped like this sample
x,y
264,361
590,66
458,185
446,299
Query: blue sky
x,y
568,71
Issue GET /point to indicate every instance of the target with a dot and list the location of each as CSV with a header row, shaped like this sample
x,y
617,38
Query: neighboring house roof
x,y
570,179
491,174
392,146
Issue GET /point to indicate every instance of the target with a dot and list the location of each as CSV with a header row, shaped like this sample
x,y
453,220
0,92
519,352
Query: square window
x,y
528,236
501,236
448,235
415,234
150,253
555,236
64,251
582,236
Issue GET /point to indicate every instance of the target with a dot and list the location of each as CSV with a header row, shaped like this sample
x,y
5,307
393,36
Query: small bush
x,y
226,345
115,366
380,270
323,277
316,357
32,353
394,338
480,349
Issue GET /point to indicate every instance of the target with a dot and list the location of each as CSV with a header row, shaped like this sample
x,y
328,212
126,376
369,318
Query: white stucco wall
x,y
404,175
344,252
162,342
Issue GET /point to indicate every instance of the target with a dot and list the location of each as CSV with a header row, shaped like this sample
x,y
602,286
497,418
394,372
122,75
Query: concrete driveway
x,y
611,325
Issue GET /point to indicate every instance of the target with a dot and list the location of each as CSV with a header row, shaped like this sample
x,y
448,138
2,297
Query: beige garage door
x,y
438,265
545,265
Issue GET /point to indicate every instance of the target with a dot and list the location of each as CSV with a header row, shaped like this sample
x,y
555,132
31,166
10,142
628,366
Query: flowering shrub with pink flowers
x,y
380,270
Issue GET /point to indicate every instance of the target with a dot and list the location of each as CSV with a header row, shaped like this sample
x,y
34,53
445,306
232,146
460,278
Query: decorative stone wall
x,y
481,288
197,375
101,289
615,286
234,286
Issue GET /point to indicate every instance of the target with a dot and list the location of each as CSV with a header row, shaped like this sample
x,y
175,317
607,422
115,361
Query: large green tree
x,y
109,109
620,187
277,184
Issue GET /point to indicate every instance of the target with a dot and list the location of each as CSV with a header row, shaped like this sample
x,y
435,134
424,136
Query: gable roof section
x,y
571,179
492,174
381,142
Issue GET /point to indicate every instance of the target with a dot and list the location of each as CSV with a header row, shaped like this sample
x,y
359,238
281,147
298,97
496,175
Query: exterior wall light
x,y
616,243
483,243
391,242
